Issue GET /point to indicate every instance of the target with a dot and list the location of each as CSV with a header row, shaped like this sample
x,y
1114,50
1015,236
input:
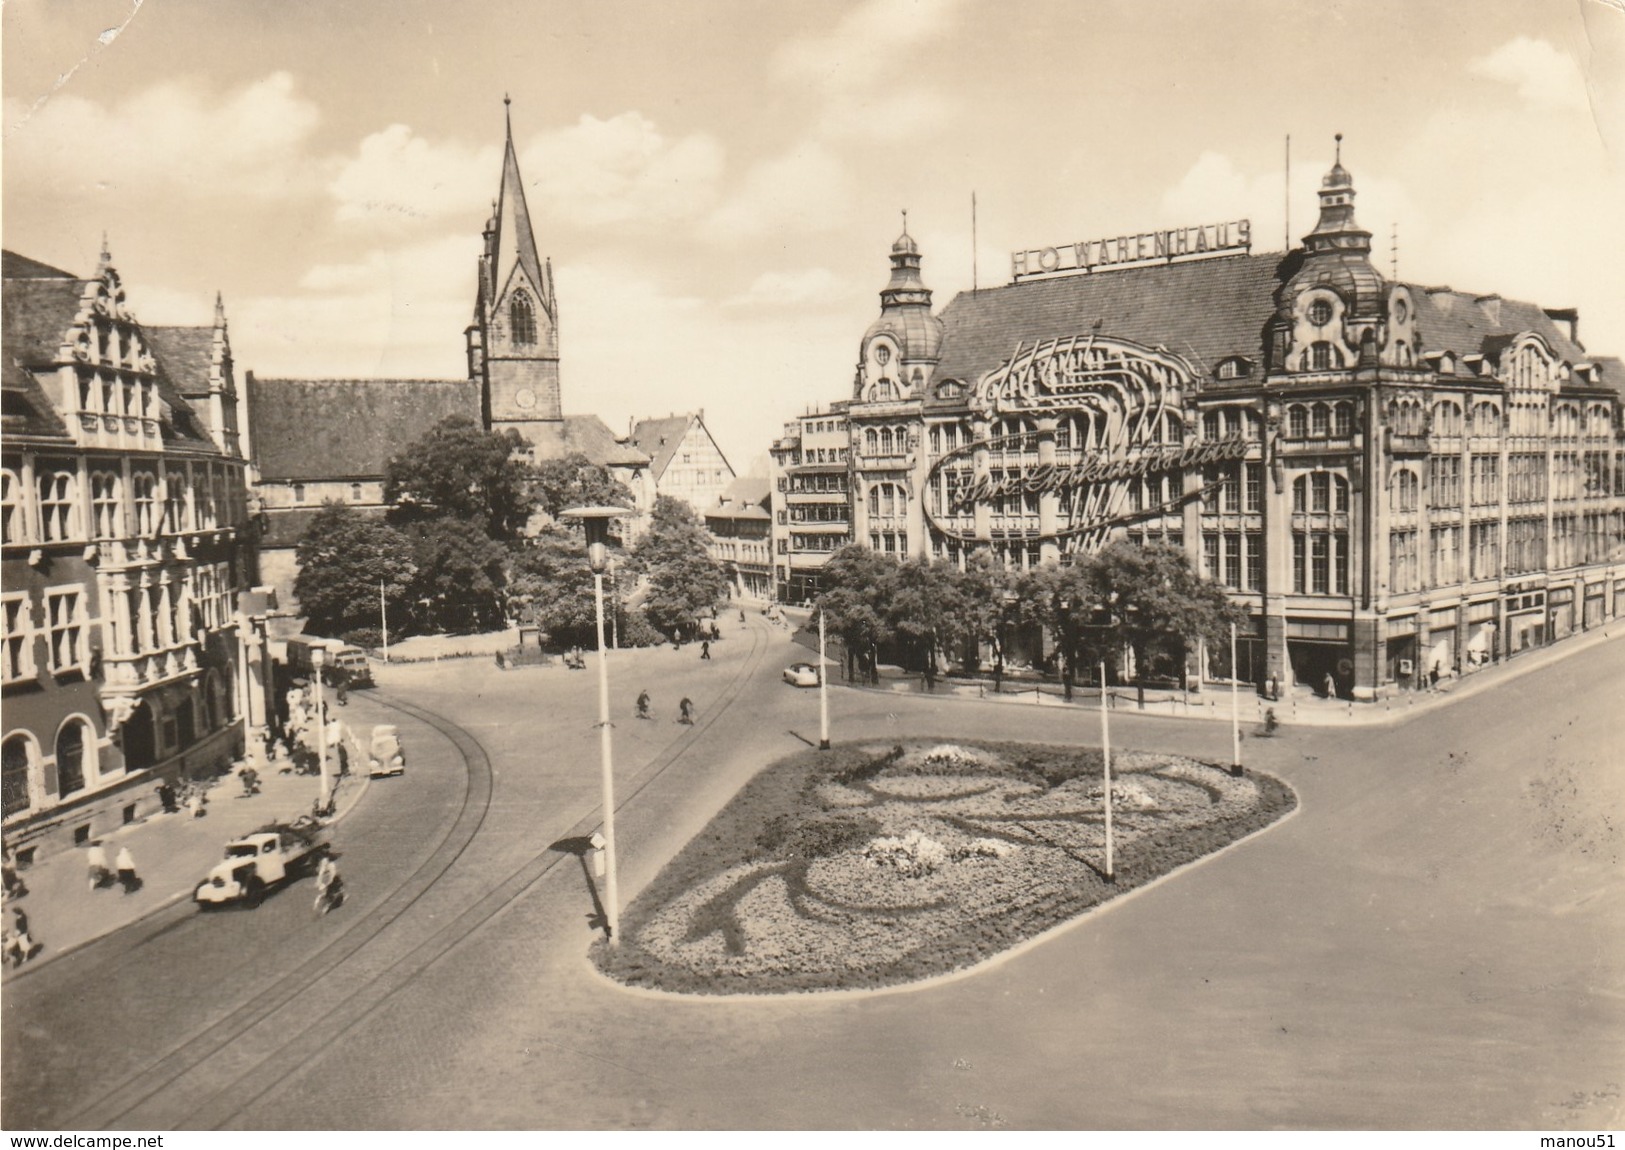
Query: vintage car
x,y
385,755
257,862
801,675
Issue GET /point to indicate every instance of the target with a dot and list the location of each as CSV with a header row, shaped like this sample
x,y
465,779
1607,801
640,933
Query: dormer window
x,y
1322,355
1236,367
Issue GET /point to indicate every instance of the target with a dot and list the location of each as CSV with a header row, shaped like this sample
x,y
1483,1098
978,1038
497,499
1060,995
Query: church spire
x,y
515,244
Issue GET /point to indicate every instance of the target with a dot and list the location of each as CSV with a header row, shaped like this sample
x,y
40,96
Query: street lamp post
x,y
596,521
823,688
1106,759
1235,707
318,659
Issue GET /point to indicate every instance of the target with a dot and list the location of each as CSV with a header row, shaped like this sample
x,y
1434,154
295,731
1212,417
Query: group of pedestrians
x,y
685,709
101,876
19,941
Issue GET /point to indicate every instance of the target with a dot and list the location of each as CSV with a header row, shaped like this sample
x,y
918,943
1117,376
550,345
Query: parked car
x,y
801,675
385,755
256,862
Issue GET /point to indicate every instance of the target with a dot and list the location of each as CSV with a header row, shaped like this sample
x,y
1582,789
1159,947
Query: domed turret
x,y
903,343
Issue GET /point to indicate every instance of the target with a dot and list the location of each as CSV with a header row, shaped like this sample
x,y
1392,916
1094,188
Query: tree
x,y
1157,603
550,582
922,604
856,584
1062,600
461,576
574,481
460,471
343,558
987,603
682,580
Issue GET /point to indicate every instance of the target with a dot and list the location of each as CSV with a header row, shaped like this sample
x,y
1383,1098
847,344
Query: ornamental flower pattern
x,y
977,849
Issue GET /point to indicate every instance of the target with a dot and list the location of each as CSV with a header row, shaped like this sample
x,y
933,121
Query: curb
x,y
1362,715
15,973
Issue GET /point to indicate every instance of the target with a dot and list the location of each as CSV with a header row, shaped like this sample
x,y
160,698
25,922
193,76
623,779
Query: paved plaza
x,y
1432,941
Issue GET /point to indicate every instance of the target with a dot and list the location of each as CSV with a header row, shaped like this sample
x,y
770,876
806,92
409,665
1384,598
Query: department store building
x,y
1398,482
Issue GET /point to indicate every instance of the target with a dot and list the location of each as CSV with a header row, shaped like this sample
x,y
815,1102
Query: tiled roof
x,y
751,512
346,428
20,267
658,439
748,489
1613,372
1203,310
24,407
186,355
592,437
38,313
1466,324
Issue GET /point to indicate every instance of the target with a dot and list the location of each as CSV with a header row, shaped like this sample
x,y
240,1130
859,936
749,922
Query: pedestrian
x,y
705,649
194,802
20,944
685,711
12,885
643,705
166,798
96,859
1331,686
1433,672
128,879
251,782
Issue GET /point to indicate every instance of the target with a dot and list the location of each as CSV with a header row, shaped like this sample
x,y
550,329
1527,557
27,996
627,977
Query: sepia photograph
x,y
909,567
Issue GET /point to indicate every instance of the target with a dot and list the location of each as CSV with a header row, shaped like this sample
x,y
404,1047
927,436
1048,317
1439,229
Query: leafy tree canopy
x,y
461,576
576,482
460,471
551,584
344,556
1155,596
683,581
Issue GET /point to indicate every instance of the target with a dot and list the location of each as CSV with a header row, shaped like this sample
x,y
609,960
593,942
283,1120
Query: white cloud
x,y
398,175
811,287
1546,78
621,170
175,138
806,189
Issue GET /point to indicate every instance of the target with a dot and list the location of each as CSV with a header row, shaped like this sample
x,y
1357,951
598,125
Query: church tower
x,y
513,343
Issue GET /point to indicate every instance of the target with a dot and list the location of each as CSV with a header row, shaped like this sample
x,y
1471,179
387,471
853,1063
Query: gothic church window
x,y
522,319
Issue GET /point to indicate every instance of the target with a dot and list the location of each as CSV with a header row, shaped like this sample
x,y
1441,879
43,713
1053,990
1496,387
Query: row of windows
x,y
104,393
1320,420
830,541
1235,559
1320,493
1320,562
66,622
818,512
814,484
150,507
885,440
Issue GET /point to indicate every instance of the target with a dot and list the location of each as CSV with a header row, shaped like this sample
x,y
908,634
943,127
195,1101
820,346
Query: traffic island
x,y
876,864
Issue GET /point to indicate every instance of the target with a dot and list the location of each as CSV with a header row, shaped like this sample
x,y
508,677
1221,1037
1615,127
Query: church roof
x,y
1203,310
516,242
313,429
16,266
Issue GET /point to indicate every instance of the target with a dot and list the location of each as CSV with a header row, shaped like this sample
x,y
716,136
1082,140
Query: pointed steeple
x,y
515,243
219,310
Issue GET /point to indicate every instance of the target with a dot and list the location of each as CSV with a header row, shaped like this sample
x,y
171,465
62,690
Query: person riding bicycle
x,y
329,885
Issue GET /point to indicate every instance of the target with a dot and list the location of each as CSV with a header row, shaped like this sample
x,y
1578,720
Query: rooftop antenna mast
x,y
1393,256
1287,194
973,243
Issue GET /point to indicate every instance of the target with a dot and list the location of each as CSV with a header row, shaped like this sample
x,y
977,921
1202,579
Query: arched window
x,y
871,442
874,500
522,318
1320,423
355,493
16,767
936,441
1323,356
70,757
1342,420
885,441
1447,418
139,739
298,492
58,520
1297,422
1212,427
104,505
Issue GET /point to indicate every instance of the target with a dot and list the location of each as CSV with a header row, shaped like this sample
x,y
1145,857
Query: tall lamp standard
x,y
318,660
596,521
823,687
1235,708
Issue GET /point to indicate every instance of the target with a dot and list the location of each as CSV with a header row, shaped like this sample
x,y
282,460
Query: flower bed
x,y
877,864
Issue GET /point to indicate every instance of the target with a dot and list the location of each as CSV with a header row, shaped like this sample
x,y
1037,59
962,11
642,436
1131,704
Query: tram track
x,y
207,1079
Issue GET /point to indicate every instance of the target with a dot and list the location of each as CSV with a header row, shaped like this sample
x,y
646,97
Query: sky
x,y
718,182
